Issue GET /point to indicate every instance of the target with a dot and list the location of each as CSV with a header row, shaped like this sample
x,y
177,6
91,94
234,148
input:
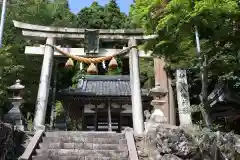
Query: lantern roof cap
x,y
17,85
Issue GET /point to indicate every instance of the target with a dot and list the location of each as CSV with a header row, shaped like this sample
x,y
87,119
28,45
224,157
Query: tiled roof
x,y
102,86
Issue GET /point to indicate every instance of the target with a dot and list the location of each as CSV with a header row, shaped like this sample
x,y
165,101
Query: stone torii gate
x,y
53,35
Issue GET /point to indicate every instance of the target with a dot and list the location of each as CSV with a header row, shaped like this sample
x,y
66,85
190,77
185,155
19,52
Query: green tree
x,y
7,68
92,17
217,22
103,17
28,68
114,18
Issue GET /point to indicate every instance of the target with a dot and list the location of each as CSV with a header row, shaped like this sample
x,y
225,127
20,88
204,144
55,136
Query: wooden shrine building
x,y
102,102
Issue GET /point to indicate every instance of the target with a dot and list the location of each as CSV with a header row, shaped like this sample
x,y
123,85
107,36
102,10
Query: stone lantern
x,y
157,116
14,116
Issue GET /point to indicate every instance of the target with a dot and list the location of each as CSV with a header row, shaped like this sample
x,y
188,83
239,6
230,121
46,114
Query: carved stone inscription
x,y
183,98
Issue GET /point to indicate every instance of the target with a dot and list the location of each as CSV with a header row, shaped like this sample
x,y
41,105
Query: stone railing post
x,y
44,85
137,110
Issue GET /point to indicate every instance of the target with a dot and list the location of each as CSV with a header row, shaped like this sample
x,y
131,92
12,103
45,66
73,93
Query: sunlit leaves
x,y
102,17
14,62
215,20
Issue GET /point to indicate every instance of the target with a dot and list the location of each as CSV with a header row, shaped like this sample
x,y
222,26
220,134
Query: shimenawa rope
x,y
91,60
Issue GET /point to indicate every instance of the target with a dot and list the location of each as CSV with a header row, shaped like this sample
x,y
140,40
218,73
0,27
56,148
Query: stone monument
x,y
184,108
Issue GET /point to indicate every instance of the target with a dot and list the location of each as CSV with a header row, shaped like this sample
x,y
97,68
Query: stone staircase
x,y
71,145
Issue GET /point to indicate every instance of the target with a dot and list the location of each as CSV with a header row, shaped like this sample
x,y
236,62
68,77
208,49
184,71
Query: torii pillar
x,y
137,110
44,85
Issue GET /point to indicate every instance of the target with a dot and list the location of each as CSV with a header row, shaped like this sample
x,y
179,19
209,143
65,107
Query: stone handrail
x,y
131,144
32,145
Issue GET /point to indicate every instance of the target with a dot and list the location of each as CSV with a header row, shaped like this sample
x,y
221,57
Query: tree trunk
x,y
204,94
203,59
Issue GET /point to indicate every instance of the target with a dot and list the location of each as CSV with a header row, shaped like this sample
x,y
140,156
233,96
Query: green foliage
x,y
114,18
218,26
217,23
140,14
102,17
146,72
116,71
7,69
59,110
19,65
74,125
78,74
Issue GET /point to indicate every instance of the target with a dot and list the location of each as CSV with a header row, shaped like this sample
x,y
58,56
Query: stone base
x,y
39,127
60,126
151,127
155,120
19,127
158,116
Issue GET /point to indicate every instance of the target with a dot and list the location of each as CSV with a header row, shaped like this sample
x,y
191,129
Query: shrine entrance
x,y
102,122
53,40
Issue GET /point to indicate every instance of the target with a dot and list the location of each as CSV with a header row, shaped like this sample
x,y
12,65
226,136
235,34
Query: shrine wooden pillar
x,y
96,119
109,116
120,119
83,119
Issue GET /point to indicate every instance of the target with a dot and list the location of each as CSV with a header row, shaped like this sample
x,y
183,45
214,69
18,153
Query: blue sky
x,y
76,5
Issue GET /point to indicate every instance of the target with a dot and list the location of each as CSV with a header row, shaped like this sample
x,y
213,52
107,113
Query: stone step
x,y
88,146
75,158
84,134
81,153
87,136
85,140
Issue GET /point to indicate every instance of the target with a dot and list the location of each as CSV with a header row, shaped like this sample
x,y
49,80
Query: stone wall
x,y
6,140
175,143
12,142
